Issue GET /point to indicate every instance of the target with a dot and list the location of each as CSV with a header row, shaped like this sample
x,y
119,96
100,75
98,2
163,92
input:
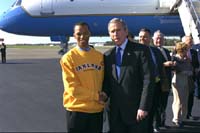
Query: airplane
x,y
56,18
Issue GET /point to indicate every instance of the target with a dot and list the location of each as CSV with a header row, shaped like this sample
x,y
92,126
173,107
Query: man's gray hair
x,y
118,20
158,32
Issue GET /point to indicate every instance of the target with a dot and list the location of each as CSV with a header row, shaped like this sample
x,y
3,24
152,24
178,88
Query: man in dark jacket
x,y
193,56
127,81
158,41
3,53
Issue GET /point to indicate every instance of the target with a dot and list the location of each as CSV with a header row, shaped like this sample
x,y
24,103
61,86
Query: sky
x,y
20,39
5,4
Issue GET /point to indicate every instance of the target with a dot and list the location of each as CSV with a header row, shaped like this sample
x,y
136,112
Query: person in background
x,y
180,84
193,56
197,85
82,74
145,39
158,41
127,81
3,52
130,36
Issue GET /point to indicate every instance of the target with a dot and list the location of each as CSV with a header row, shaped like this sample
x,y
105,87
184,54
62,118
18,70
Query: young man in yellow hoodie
x,y
82,73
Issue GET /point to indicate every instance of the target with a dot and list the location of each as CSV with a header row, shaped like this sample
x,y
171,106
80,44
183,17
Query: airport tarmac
x,y
31,94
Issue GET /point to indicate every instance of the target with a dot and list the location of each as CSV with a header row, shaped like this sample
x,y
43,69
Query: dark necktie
x,y
118,57
156,73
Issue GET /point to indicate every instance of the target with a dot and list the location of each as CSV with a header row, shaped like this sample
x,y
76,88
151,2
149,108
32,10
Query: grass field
x,y
57,47
34,46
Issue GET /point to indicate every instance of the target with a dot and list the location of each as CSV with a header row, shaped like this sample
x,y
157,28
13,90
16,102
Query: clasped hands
x,y
102,97
141,114
169,63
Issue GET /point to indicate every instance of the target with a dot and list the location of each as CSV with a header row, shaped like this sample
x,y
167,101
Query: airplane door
x,y
47,7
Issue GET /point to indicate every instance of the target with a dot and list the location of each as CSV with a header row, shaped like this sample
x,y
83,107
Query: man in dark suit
x,y
158,41
127,81
3,52
193,56
197,89
157,59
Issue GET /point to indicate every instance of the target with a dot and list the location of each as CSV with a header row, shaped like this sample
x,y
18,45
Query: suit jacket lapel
x,y
168,54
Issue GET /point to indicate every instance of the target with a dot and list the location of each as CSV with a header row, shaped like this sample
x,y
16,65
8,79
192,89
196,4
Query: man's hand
x,y
141,115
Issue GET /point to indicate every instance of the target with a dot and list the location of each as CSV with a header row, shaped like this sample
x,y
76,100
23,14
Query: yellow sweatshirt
x,y
82,73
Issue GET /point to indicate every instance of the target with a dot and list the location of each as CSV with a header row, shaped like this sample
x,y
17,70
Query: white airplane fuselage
x,y
57,17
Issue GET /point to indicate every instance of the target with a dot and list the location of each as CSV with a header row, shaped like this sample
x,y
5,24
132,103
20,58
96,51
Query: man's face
x,y
82,35
144,38
188,41
158,40
117,32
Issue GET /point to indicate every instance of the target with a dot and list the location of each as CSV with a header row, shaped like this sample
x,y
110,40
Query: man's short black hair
x,y
82,24
146,30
